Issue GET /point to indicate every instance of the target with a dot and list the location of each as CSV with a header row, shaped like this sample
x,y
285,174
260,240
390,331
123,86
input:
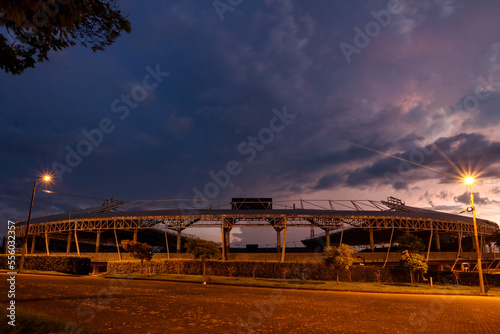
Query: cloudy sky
x,y
290,99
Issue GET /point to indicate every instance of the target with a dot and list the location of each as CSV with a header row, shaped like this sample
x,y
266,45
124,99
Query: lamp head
x,y
469,180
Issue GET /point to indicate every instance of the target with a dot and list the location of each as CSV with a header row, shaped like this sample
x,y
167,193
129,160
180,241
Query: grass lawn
x,y
28,322
422,288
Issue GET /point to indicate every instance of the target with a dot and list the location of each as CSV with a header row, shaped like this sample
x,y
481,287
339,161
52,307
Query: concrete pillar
x,y
68,246
327,237
438,243
135,236
429,247
278,241
284,246
372,243
98,242
179,238
33,244
166,243
117,245
77,245
47,241
228,239
223,244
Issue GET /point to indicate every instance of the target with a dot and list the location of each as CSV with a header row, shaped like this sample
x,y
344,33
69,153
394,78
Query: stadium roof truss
x,y
326,214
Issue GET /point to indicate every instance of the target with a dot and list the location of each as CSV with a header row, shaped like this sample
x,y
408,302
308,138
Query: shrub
x,y
138,250
414,263
340,258
202,249
64,264
291,270
472,279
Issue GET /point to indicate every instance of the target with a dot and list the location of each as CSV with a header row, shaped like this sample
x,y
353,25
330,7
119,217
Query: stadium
x,y
370,227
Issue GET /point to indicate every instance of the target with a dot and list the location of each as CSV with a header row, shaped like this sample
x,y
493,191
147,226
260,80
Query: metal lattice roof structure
x,y
326,214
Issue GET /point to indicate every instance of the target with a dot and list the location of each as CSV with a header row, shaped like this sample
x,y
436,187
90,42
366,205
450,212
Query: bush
x,y
138,250
340,258
292,270
472,279
202,249
64,264
414,263
277,270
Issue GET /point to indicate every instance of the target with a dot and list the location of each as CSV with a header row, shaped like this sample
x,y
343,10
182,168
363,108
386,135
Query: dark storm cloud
x,y
465,199
226,78
462,149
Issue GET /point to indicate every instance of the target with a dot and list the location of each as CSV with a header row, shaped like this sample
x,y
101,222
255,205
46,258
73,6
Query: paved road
x,y
121,306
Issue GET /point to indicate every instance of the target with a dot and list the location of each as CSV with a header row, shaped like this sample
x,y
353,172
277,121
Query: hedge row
x,y
65,264
284,270
472,279
289,270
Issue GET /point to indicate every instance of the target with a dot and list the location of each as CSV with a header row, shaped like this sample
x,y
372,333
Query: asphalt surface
x,y
134,306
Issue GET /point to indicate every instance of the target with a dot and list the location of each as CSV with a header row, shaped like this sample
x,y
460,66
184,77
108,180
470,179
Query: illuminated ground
x,y
119,306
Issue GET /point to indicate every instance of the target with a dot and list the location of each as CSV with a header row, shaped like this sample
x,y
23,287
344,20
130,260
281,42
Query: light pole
x,y
45,178
470,180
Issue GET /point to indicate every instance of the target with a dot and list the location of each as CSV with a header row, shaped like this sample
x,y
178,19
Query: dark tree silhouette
x,y
410,243
138,250
29,29
202,249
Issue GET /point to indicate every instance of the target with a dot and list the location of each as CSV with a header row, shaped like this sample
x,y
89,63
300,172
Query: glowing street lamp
x,y
469,181
44,178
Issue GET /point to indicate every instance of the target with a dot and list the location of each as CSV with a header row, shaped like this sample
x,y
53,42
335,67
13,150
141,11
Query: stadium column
x,y
135,236
327,237
166,243
278,239
117,245
47,241
284,245
438,243
77,245
68,246
227,226
372,243
278,225
98,242
227,239
33,243
179,239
